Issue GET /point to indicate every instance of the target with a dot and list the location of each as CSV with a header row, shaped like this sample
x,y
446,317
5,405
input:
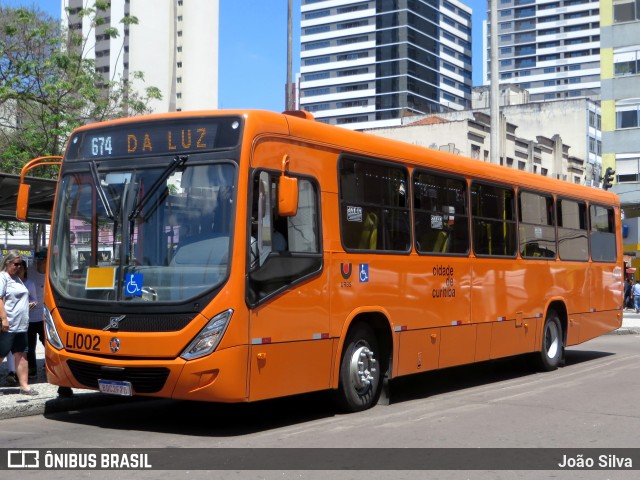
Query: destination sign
x,y
155,138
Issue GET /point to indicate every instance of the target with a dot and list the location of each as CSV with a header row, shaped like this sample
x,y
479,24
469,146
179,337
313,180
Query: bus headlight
x,y
52,334
209,337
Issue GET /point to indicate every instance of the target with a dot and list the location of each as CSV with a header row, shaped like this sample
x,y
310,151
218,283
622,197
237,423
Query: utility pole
x,y
494,88
289,96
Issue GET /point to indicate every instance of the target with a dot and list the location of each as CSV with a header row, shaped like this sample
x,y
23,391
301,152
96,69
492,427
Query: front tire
x,y
552,350
359,386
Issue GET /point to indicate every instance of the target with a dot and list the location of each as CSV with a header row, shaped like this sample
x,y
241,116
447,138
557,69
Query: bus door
x,y
442,276
504,289
606,274
287,292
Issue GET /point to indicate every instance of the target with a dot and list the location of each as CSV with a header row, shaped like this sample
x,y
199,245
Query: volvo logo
x,y
114,322
114,344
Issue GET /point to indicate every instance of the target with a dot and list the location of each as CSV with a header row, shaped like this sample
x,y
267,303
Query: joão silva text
x,y
604,461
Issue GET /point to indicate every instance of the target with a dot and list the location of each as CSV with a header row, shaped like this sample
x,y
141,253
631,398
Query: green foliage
x,y
9,227
49,84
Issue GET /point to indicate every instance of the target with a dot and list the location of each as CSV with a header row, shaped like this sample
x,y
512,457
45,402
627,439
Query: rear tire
x,y
359,386
552,350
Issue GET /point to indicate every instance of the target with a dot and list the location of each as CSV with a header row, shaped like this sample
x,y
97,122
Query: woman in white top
x,y
14,314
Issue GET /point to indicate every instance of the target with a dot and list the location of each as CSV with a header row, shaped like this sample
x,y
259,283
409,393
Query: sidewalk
x,y
630,323
12,404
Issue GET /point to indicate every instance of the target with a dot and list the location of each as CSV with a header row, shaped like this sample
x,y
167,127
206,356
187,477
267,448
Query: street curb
x,y
626,331
26,408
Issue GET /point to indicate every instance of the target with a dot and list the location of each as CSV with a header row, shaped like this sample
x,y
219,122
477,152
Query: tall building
x,y
174,45
369,63
620,27
549,47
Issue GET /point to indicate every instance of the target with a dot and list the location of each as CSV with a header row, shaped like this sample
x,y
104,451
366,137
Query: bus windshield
x,y
149,233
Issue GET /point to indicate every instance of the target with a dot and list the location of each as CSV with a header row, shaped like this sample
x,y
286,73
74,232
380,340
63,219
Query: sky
x,y
253,48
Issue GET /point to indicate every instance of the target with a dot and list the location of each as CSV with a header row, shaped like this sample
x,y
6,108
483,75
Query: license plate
x,y
113,387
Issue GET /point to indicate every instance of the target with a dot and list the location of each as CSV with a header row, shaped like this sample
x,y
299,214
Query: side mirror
x,y
287,192
22,205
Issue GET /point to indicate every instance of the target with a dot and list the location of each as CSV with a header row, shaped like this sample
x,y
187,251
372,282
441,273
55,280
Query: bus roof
x,y
366,144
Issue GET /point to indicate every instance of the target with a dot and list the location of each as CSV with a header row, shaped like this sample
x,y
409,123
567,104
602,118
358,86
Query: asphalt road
x,y
593,402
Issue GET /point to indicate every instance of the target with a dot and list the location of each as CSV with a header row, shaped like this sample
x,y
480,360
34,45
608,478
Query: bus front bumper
x,y
219,377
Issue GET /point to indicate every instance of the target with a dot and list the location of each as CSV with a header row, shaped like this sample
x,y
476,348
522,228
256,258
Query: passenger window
x,y
374,206
602,237
536,226
494,220
573,242
441,222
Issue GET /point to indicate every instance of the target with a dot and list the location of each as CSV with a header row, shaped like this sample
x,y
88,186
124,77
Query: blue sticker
x,y
133,285
364,272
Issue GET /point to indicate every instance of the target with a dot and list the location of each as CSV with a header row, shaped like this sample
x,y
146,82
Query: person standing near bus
x,y
36,314
14,314
636,295
628,297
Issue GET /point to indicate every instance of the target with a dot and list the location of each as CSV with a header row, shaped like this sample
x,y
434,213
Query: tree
x,y
49,84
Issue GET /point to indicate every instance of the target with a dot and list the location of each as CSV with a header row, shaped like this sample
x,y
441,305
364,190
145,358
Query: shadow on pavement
x,y
222,420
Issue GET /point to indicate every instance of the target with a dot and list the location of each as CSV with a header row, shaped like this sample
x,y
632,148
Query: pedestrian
x,y
14,314
636,295
36,314
628,297
11,378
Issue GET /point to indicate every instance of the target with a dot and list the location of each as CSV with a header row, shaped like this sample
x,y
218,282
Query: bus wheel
x,y
552,347
359,386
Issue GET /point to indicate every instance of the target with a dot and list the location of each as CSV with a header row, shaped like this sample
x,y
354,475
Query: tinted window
x,y
494,220
536,226
440,214
374,206
603,238
573,241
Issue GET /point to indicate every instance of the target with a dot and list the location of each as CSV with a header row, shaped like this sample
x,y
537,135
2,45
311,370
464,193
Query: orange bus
x,y
235,256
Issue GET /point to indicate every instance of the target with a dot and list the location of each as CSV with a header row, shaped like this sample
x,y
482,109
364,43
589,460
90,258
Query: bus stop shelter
x,y
40,199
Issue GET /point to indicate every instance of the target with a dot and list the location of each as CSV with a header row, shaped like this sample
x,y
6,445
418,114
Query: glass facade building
x,y
549,47
369,63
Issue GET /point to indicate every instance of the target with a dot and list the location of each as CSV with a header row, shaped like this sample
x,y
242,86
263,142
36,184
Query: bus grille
x,y
143,379
131,323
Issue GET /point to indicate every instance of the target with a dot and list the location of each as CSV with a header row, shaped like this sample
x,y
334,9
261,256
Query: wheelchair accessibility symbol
x,y
364,272
133,285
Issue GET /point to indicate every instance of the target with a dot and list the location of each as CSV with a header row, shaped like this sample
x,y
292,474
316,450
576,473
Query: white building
x,y
369,63
549,47
559,139
174,45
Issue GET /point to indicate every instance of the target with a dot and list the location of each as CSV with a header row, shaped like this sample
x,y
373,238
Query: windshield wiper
x,y
101,193
172,167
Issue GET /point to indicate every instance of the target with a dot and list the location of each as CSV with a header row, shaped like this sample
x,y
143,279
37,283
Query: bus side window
x,y
374,205
602,236
260,241
494,221
283,250
440,214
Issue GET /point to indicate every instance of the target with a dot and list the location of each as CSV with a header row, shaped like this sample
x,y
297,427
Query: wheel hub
x,y
553,341
362,368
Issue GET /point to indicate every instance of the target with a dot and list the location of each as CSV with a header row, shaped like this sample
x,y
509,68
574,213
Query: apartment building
x,y
620,27
369,63
549,47
174,45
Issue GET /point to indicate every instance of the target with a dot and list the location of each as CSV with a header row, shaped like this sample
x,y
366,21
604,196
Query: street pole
x,y
494,92
289,96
